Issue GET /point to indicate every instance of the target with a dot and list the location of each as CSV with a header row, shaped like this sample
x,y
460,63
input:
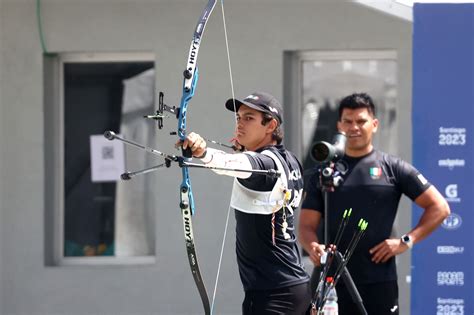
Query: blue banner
x,y
443,120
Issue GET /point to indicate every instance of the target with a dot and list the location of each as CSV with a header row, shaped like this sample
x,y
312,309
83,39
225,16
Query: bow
x,y
191,75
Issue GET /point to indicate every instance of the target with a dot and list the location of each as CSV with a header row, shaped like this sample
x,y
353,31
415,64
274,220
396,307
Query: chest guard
x,y
262,202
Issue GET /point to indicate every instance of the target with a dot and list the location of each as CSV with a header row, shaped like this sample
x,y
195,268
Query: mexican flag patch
x,y
375,172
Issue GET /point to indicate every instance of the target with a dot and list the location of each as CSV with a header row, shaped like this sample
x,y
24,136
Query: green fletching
x,y
345,213
350,211
361,221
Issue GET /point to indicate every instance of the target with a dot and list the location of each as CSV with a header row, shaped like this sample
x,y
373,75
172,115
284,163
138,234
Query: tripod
x,y
330,178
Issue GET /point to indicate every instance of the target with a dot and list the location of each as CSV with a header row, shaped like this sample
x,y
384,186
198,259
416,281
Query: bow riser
x,y
183,107
187,197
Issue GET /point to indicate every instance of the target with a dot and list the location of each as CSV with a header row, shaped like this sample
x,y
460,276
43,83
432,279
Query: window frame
x,y
293,72
54,101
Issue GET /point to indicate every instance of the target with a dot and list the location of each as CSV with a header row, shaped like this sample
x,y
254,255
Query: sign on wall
x,y
107,159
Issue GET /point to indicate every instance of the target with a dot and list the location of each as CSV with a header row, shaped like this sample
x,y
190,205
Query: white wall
x,y
2,140
259,33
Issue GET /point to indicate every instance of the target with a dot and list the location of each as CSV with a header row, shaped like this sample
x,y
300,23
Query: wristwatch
x,y
407,240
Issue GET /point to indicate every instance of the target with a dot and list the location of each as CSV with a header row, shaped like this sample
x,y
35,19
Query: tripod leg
x,y
352,289
315,278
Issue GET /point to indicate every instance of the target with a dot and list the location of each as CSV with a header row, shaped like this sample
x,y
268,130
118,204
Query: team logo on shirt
x,y
375,172
294,175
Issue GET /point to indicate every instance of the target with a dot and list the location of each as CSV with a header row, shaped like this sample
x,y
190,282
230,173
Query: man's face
x,y
359,126
249,131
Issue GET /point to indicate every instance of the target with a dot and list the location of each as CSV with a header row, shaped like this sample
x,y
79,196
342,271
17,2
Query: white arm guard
x,y
217,158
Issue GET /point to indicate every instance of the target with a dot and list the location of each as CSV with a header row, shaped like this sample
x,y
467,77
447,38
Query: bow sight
x,y
162,107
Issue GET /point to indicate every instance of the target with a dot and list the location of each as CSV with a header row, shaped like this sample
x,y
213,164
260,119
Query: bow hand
x,y
195,145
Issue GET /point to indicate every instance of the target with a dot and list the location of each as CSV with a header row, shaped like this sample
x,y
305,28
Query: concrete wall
x,y
2,142
259,33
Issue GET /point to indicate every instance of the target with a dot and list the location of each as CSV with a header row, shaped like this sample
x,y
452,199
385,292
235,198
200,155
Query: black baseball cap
x,y
260,101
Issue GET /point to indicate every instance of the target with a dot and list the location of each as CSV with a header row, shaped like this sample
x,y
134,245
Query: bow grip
x,y
187,153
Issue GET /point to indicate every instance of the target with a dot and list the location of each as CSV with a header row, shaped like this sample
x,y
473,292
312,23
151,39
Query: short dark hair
x,y
277,134
355,101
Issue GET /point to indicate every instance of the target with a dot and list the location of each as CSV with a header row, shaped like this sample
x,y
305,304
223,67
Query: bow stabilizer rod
x,y
181,161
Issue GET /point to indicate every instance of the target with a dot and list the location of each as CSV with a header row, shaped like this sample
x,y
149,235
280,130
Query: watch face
x,y
407,240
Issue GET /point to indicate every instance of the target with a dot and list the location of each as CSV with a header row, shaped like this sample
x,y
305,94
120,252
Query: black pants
x,y
379,299
294,300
